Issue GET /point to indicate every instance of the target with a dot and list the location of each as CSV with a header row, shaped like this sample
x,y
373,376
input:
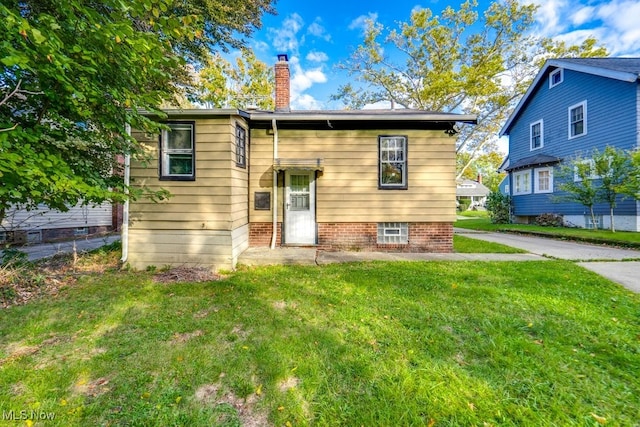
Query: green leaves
x,y
458,61
76,72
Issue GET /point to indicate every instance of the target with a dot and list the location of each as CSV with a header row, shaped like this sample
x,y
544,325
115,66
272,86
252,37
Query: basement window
x,y
393,233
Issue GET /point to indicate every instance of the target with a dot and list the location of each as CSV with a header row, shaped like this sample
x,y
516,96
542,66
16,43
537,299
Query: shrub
x,y
499,207
464,204
549,220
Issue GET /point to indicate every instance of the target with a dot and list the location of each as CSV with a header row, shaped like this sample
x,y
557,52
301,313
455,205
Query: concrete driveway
x,y
619,265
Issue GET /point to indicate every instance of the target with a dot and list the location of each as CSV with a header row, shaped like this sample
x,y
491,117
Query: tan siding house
x,y
379,180
205,221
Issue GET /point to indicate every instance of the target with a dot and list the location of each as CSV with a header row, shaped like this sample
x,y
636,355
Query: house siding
x,y
347,193
204,222
609,122
52,225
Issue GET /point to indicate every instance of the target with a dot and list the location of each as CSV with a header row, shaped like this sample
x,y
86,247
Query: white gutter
x,y
125,209
274,233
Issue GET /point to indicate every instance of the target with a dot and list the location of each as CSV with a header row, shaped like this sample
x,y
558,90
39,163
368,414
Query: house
x,y
572,107
470,193
22,226
355,180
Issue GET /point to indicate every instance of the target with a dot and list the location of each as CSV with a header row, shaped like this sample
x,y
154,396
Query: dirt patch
x,y
184,337
18,351
92,388
288,384
21,283
249,415
186,274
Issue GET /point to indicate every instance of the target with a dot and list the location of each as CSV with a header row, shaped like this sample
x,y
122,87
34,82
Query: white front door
x,y
300,207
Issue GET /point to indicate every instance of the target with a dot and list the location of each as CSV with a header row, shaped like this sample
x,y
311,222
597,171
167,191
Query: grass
x,y
620,238
463,244
424,343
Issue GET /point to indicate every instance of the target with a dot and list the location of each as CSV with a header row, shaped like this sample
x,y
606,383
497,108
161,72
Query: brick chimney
x,y
479,178
283,82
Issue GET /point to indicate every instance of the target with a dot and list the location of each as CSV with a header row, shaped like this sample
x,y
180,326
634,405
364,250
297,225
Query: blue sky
x,y
318,34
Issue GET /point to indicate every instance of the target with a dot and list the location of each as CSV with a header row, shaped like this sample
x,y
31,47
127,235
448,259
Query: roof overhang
x,y
298,164
532,161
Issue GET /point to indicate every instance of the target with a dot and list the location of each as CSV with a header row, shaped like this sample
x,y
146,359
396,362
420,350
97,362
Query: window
x,y
393,232
392,170
578,120
81,231
556,77
3,237
522,182
584,169
177,152
241,146
34,236
536,135
590,224
543,180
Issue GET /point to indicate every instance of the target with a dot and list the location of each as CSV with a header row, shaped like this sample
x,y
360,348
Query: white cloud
x,y
582,15
550,16
306,102
260,46
360,23
285,38
302,80
613,23
316,56
317,29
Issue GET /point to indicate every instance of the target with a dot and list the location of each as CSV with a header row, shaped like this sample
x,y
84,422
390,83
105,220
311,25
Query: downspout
x,y
125,209
274,232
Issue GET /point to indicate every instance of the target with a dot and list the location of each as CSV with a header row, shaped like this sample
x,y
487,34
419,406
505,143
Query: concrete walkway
x,y
46,250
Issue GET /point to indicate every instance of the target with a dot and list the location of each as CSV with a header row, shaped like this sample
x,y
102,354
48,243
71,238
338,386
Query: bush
x,y
464,205
499,207
550,220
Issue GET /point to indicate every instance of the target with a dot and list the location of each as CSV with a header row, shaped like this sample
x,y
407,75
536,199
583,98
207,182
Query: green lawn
x,y
622,238
424,343
463,244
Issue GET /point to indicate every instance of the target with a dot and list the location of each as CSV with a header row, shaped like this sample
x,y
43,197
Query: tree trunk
x,y
593,218
613,228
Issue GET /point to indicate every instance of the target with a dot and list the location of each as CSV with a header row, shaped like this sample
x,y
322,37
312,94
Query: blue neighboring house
x,y
573,106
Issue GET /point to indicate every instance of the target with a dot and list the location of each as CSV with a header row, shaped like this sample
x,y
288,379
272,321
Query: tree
x,y
576,180
437,63
614,168
249,83
485,165
75,73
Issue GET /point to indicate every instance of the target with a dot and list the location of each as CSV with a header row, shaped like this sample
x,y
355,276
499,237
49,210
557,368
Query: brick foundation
x,y
260,234
423,237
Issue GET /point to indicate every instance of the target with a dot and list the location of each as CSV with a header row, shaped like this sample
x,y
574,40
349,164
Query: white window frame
x,y
166,152
517,189
384,160
582,104
557,71
531,126
536,182
592,170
